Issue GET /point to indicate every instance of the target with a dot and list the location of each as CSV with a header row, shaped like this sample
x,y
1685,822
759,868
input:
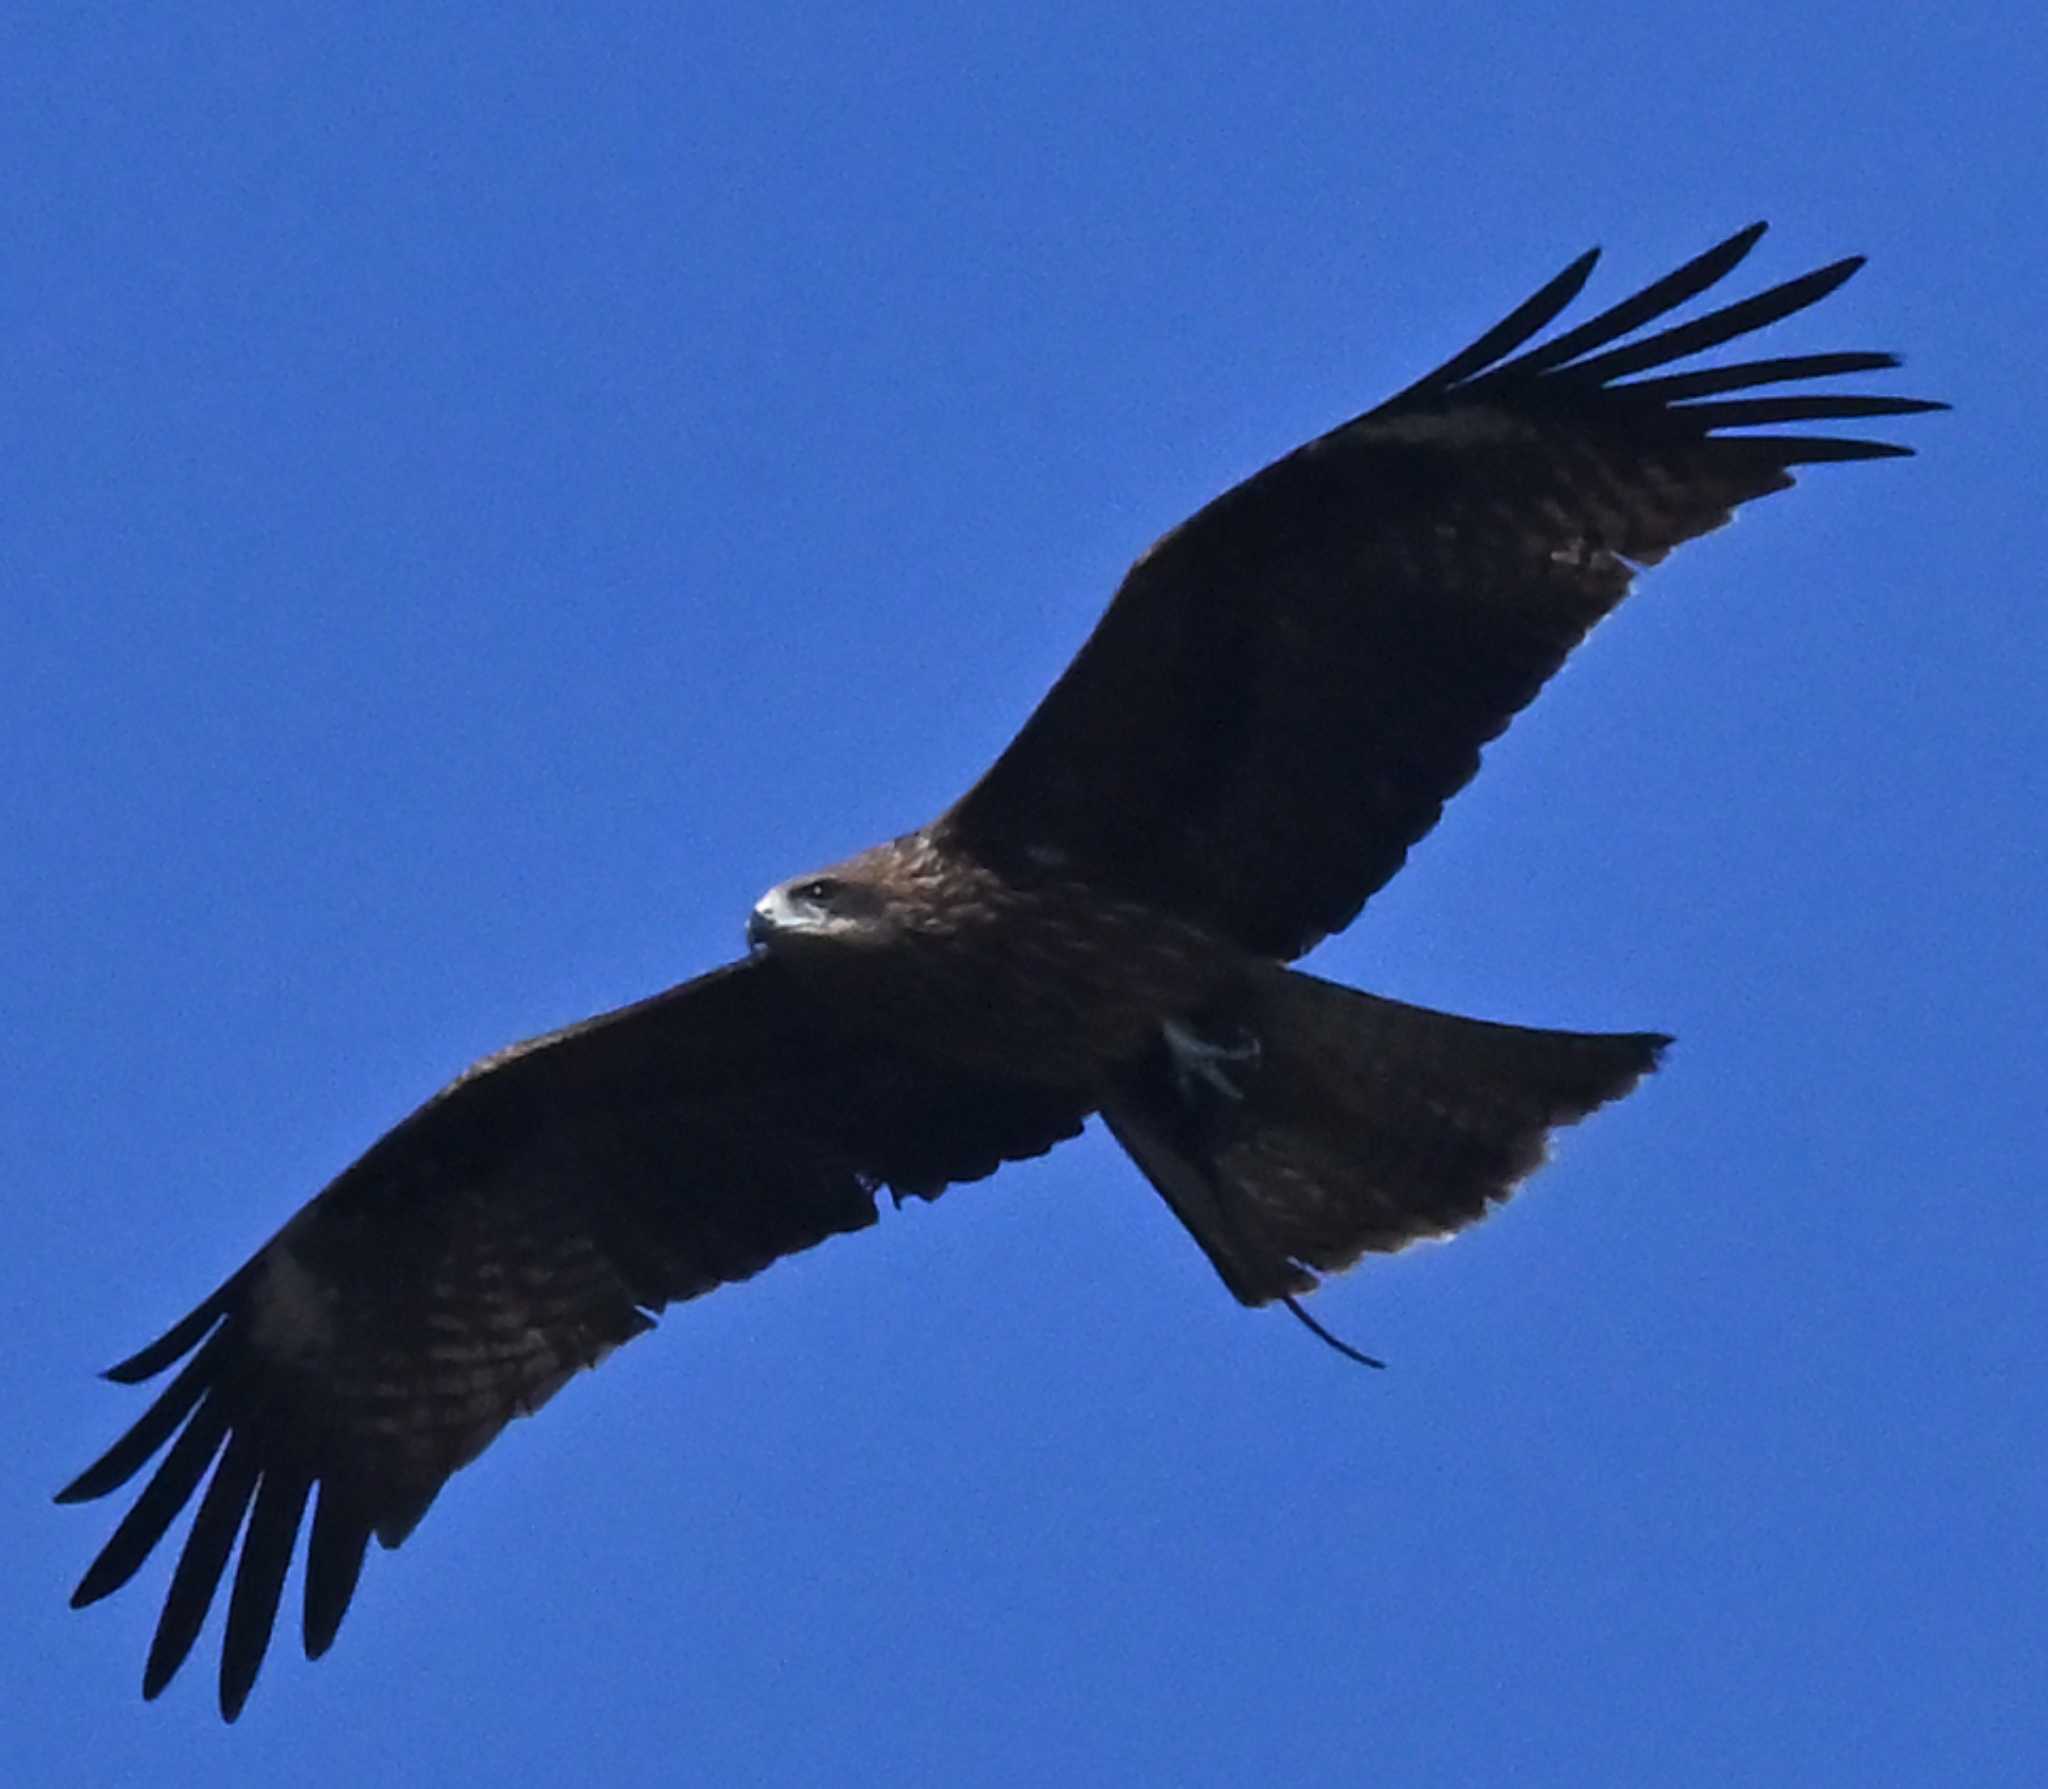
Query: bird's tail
x,y
1308,1124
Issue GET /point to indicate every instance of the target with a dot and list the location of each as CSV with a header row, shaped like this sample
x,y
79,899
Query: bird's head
x,y
845,907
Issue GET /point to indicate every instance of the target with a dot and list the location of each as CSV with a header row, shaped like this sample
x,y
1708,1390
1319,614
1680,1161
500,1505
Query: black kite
x,y
1284,693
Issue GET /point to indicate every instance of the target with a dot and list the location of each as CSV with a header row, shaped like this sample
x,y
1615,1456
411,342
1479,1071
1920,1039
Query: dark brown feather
x,y
1289,686
1363,1125
514,1229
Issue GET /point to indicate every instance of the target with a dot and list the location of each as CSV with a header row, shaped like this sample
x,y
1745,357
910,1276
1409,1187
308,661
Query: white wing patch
x,y
1477,426
291,1311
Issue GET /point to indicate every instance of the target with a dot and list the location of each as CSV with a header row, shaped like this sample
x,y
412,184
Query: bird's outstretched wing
x,y
518,1226
1288,687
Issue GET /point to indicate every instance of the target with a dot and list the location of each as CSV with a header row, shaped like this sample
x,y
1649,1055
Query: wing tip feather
x,y
182,1336
1607,348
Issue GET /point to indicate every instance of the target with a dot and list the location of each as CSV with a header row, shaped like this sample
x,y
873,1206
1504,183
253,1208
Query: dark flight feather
x,y
259,1580
334,1561
514,1229
1291,684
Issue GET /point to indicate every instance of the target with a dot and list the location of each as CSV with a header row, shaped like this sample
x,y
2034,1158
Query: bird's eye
x,y
818,892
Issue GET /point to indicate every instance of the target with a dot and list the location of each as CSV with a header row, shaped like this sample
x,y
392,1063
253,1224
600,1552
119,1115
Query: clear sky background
x,y
485,493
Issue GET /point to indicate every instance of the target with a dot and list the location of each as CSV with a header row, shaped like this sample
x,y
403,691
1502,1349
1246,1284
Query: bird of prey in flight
x,y
1275,707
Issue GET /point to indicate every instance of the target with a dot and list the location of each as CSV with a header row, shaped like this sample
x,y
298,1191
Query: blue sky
x,y
482,502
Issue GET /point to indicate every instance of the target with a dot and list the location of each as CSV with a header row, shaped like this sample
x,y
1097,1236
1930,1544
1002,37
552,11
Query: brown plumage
x,y
1275,707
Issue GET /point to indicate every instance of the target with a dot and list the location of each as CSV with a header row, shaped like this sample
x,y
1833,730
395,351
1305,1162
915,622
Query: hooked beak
x,y
767,920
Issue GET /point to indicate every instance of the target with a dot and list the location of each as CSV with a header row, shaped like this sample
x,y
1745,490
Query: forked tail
x,y
1311,1124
